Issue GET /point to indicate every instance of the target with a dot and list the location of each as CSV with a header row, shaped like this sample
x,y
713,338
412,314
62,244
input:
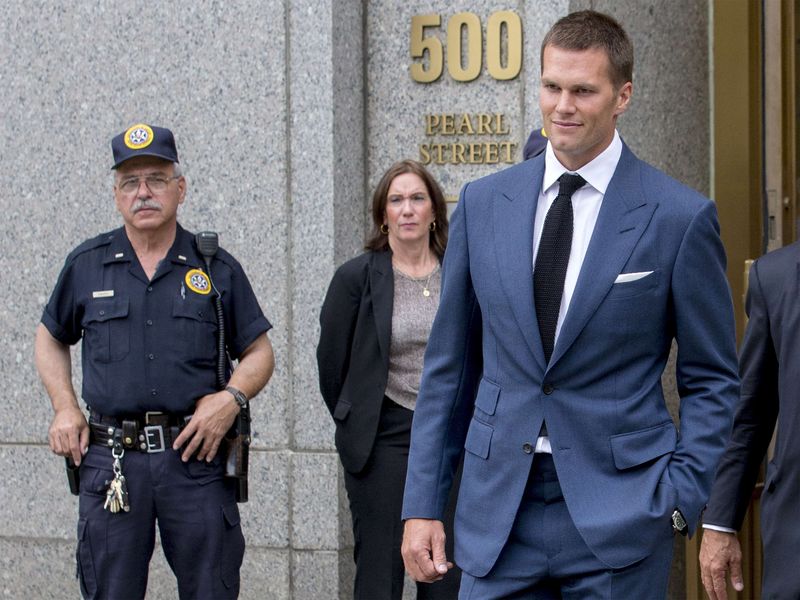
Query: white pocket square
x,y
628,277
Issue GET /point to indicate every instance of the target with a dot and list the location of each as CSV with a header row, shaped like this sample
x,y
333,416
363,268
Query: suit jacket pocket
x,y
771,480
638,447
628,289
342,410
479,439
488,394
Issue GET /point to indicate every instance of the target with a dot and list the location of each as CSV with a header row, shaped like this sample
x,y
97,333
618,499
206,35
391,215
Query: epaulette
x,y
104,239
221,255
226,257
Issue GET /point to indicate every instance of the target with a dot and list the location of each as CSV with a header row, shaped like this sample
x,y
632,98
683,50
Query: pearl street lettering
x,y
466,152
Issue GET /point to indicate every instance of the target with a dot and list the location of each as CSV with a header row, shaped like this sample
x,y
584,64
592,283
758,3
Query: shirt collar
x,y
119,248
181,252
597,173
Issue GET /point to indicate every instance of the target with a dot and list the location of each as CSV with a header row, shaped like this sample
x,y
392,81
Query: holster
x,y
237,453
73,476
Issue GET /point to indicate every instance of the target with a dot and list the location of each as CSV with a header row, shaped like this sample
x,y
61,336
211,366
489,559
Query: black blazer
x,y
353,352
769,365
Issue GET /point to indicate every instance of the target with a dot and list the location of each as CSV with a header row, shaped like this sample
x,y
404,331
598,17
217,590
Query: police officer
x,y
536,144
141,300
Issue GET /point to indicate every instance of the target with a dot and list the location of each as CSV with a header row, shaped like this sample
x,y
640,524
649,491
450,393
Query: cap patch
x,y
139,136
198,282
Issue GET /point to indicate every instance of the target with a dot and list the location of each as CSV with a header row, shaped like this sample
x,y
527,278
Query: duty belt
x,y
150,433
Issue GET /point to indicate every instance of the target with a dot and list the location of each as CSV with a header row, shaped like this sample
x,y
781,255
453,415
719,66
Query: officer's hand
x,y
423,550
720,553
213,416
69,433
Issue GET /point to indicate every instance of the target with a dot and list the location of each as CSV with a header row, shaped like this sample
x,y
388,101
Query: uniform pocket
x,y
205,472
96,471
106,329
196,327
85,563
232,546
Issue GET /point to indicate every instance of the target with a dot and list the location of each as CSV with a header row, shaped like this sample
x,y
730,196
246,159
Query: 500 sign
x,y
469,23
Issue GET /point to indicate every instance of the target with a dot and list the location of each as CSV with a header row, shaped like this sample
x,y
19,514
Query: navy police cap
x,y
537,142
144,140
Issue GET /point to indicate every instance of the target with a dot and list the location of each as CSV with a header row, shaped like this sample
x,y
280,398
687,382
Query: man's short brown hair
x,y
588,29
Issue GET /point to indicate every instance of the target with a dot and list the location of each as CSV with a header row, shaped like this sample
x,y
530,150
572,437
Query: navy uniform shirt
x,y
149,345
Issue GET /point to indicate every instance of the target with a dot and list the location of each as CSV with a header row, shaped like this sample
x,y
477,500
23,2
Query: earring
x,y
384,229
433,225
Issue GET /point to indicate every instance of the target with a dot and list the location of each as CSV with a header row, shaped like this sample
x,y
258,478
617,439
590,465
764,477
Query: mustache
x,y
144,203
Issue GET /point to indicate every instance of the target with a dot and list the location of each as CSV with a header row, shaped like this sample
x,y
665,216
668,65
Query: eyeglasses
x,y
155,183
414,198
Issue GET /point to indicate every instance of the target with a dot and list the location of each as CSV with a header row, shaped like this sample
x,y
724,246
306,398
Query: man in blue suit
x,y
566,280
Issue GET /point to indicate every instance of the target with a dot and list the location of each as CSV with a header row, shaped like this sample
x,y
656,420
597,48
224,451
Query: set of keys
x,y
117,494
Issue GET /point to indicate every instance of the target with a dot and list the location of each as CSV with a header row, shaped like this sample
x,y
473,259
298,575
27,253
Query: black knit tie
x,y
552,259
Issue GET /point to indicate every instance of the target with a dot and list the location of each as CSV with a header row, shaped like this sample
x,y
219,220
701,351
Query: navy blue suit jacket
x,y
770,370
622,464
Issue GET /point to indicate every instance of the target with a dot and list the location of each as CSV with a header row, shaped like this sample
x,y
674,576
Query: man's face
x,y
146,207
579,103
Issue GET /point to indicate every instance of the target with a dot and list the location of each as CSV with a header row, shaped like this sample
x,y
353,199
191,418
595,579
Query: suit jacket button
x,y
547,389
527,448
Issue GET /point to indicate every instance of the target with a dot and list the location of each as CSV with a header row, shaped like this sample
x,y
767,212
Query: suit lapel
x,y
514,212
623,217
381,284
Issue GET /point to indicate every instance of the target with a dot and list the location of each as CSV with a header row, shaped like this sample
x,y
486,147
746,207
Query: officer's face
x,y
580,103
145,209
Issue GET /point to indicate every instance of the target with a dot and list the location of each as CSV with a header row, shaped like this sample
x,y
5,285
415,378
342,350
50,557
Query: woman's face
x,y
409,210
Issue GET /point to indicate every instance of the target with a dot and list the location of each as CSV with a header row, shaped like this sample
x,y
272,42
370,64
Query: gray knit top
x,y
412,318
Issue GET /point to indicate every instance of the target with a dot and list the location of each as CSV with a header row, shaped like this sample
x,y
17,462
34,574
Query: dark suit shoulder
x,y
781,257
772,268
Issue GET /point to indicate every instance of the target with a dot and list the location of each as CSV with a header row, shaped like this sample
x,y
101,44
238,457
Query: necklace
x,y
418,280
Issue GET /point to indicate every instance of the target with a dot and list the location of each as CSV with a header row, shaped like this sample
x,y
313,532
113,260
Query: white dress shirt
x,y
586,204
718,528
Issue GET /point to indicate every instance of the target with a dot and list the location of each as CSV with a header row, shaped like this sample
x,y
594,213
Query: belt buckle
x,y
154,437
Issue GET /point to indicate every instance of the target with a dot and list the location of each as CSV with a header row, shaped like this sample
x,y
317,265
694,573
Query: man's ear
x,y
623,98
181,190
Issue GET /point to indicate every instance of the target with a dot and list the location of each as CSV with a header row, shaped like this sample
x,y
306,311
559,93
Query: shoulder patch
x,y
198,282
